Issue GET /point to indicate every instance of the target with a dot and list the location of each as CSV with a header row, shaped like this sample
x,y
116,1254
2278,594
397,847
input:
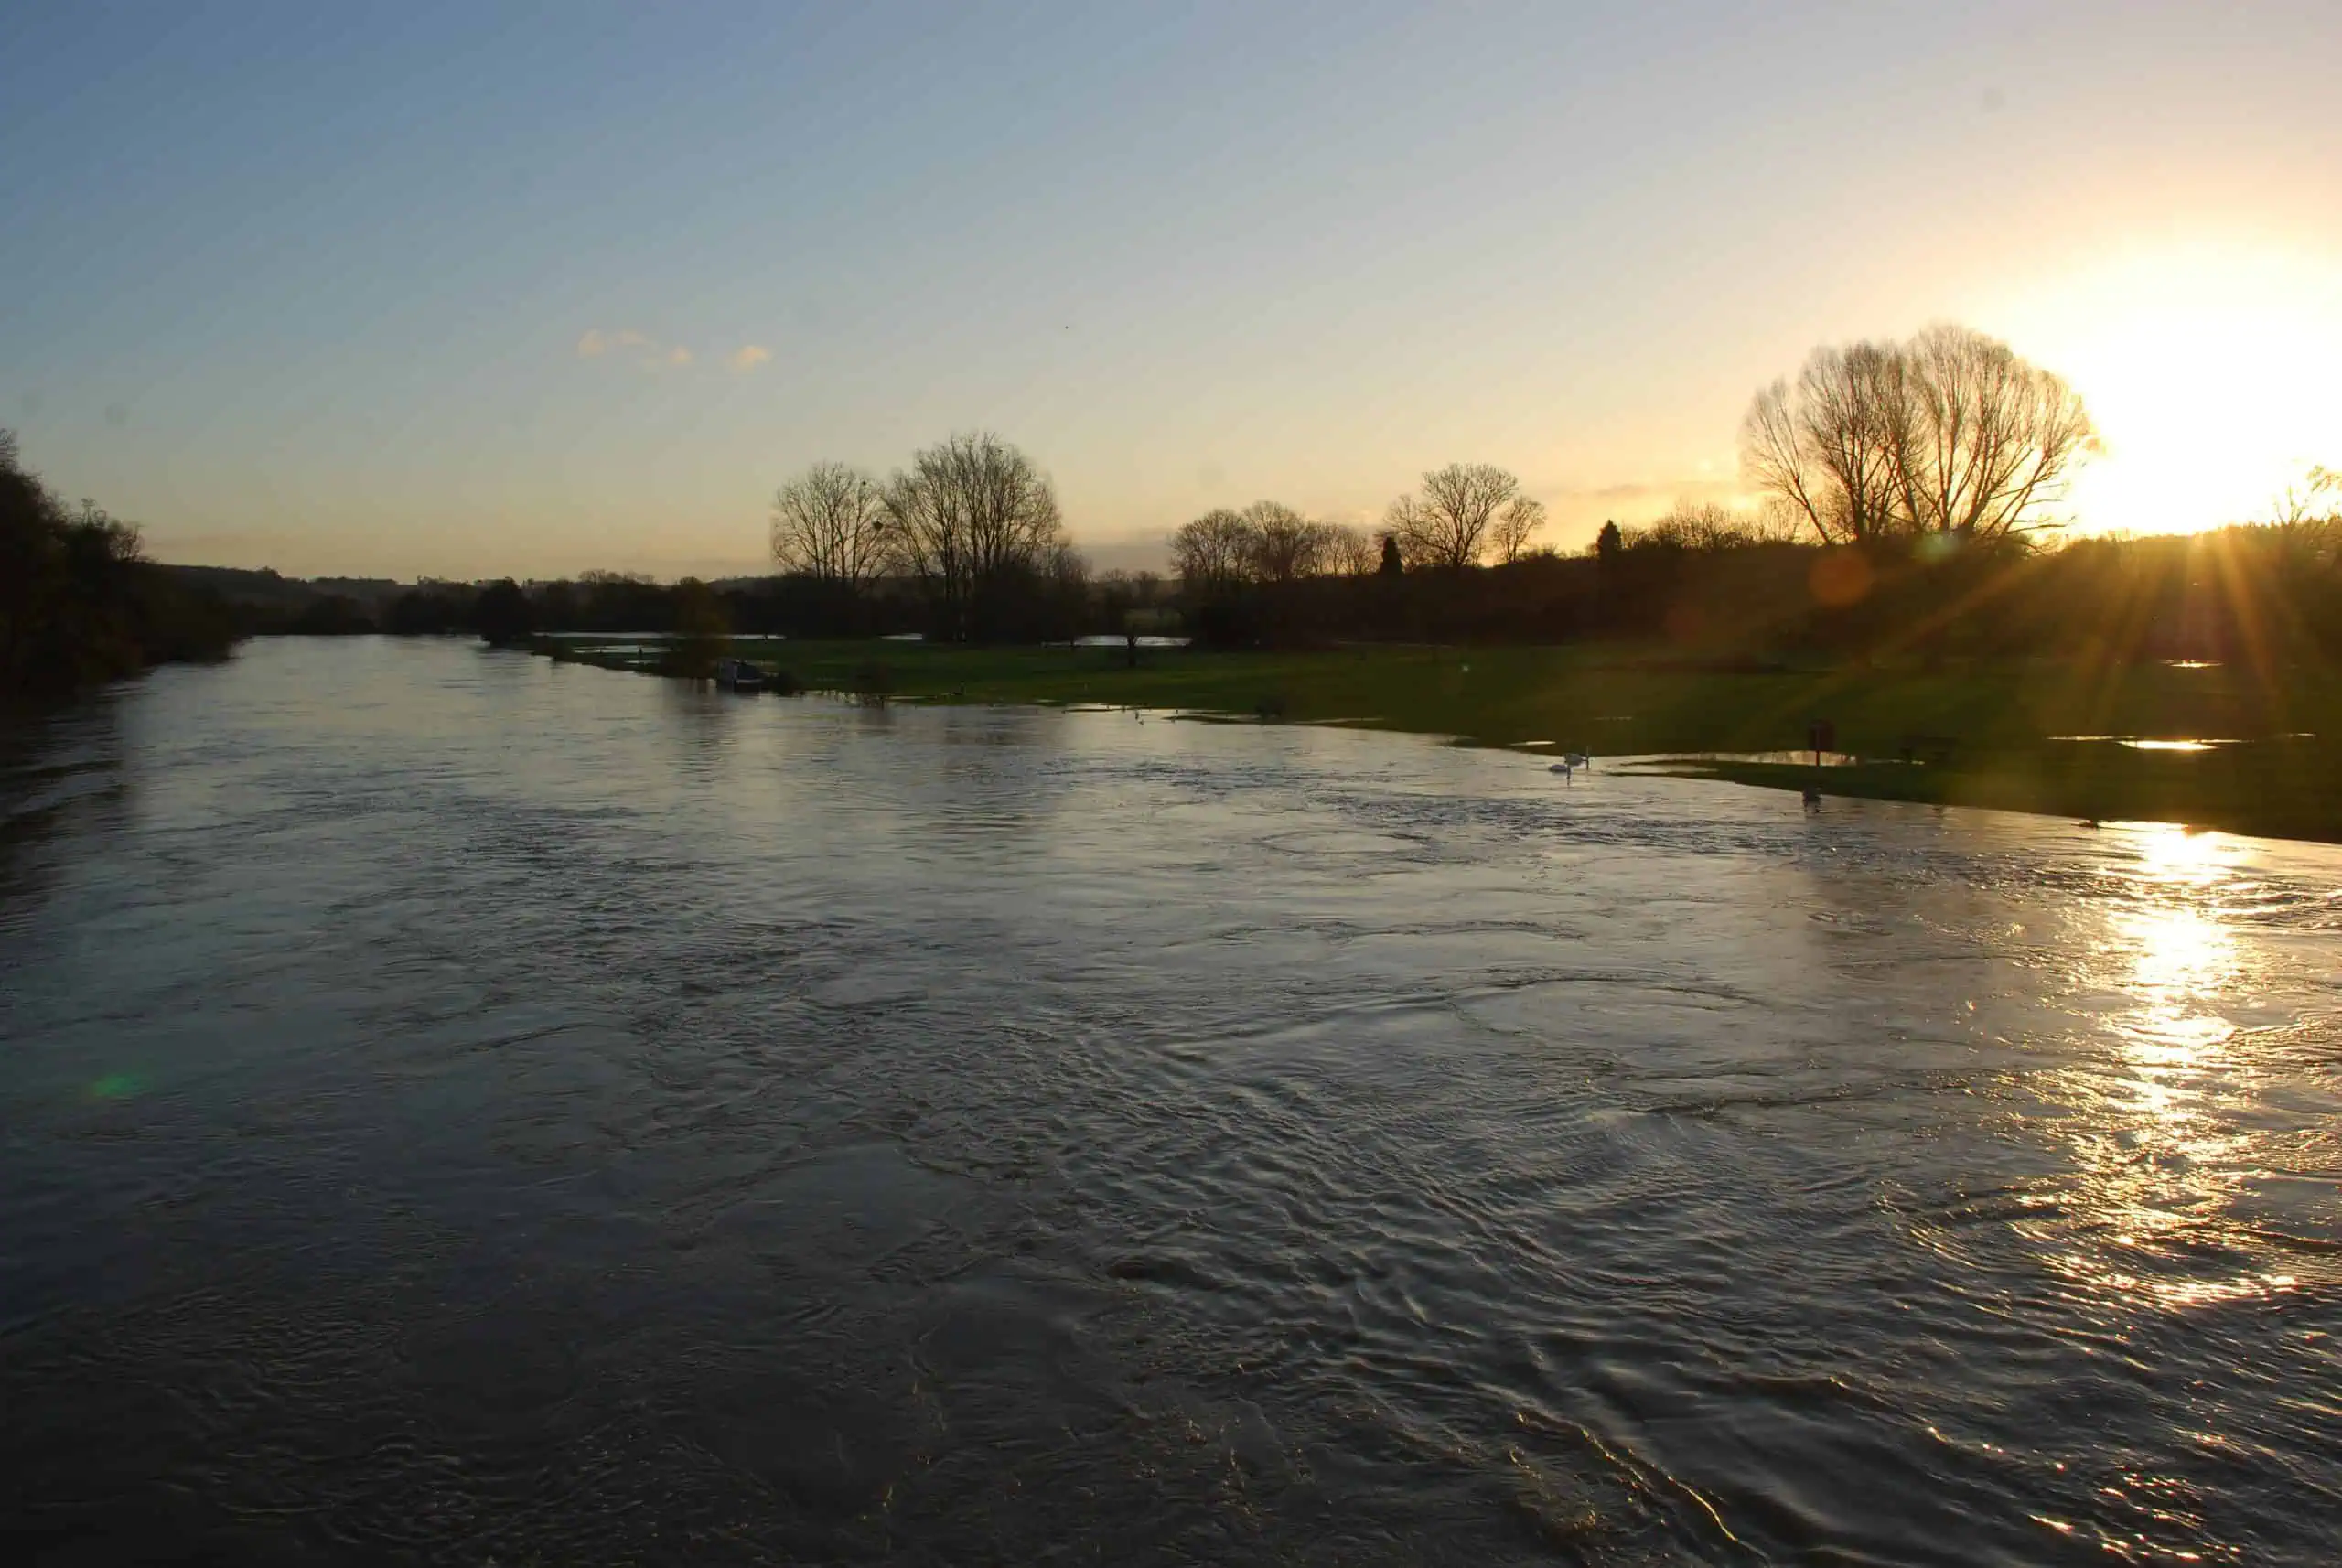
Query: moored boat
x,y
738,675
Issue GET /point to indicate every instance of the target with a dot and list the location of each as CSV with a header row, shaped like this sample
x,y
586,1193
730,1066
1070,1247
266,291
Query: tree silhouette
x,y
1950,434
976,521
1213,551
1508,534
1353,552
702,630
830,524
502,614
1283,544
1448,525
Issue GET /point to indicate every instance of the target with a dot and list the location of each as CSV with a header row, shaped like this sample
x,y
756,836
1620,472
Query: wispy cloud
x,y
649,353
599,341
1711,486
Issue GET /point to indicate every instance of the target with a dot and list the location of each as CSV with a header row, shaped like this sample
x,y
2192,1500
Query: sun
x,y
2214,374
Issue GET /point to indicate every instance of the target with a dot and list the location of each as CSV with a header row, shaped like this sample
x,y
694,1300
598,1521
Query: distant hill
x,y
266,589
369,590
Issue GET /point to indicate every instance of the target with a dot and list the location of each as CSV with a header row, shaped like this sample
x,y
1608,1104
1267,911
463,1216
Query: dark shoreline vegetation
x,y
80,604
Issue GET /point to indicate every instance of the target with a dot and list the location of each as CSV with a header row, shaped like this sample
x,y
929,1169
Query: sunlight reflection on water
x,y
2165,1144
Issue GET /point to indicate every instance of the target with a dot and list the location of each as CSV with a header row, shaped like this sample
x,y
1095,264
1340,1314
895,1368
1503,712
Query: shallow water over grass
x,y
462,1107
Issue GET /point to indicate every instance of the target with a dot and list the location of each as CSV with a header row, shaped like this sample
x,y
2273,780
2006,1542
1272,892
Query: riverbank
x,y
2052,737
80,604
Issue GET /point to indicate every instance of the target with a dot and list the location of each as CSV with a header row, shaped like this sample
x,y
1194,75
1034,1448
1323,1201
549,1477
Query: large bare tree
x,y
1448,524
969,515
1825,448
1997,439
829,522
1284,544
1951,434
1214,551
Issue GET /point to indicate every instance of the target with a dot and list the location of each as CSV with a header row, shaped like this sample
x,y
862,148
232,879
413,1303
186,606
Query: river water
x,y
464,1109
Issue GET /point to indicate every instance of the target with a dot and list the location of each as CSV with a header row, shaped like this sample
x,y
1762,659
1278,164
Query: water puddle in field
x,y
2135,743
1797,759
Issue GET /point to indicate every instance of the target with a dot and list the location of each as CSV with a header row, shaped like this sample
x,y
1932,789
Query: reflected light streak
x,y
2174,860
2161,1147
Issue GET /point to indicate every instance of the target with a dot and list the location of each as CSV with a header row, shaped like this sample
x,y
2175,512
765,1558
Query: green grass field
x,y
2001,720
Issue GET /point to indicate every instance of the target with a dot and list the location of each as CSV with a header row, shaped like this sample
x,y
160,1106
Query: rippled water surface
x,y
462,1109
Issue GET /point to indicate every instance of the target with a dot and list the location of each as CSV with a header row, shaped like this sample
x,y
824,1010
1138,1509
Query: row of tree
x,y
970,523
972,528
1713,581
1706,582
1950,435
1266,543
79,601
1464,513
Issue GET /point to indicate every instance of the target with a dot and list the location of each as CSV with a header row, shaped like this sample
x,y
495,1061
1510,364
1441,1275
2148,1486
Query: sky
x,y
470,290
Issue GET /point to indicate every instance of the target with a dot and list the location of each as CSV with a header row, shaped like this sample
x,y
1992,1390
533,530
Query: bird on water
x,y
1570,763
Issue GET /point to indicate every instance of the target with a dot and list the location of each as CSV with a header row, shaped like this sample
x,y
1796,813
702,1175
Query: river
x,y
460,1108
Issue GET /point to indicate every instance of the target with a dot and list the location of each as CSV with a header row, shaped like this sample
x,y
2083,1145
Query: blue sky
x,y
321,286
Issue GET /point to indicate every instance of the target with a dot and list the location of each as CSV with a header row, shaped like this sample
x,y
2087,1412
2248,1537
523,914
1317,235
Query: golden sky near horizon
x,y
2213,370
472,291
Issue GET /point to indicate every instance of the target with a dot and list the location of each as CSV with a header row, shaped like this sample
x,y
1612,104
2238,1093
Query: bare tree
x,y
1065,591
1508,534
1448,525
1827,447
2316,500
1703,526
1950,434
1214,551
970,514
829,522
1404,530
1996,439
1284,544
1353,552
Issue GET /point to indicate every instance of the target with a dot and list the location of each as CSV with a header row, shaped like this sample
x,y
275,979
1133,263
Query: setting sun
x,y
2210,373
